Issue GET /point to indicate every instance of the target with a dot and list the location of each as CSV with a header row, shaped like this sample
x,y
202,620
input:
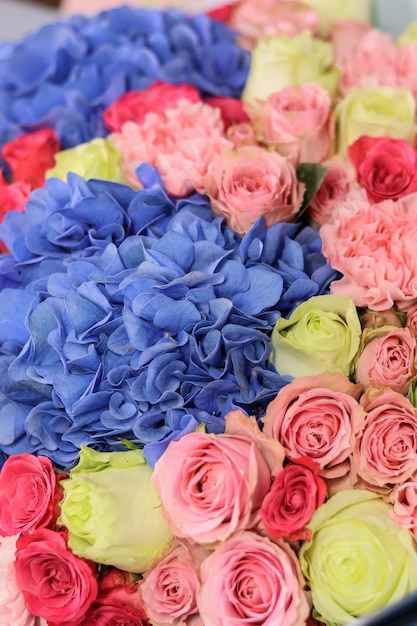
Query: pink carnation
x,y
371,63
346,36
374,248
181,143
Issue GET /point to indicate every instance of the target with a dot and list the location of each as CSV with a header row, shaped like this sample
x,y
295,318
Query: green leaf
x,y
311,174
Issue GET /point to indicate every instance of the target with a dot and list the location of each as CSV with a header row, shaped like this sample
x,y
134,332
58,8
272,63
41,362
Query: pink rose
x,y
241,135
211,486
13,609
376,319
297,122
231,110
373,247
27,490
182,143
317,417
251,182
257,19
388,359
170,587
338,180
385,453
157,98
251,580
295,494
411,320
404,501
385,167
55,583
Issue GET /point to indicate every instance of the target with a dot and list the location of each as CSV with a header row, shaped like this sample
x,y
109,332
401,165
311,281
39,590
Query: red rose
x,y
27,490
56,584
223,14
30,156
385,167
295,494
134,105
231,109
102,613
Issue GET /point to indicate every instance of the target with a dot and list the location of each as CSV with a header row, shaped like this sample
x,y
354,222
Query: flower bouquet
x,y
208,318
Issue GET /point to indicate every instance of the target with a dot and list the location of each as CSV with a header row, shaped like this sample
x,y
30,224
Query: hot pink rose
x,y
251,182
55,583
13,197
373,247
388,359
251,580
317,417
13,609
385,167
385,453
182,143
337,181
31,155
297,122
295,494
257,19
134,105
231,110
211,486
119,602
27,490
404,500
170,587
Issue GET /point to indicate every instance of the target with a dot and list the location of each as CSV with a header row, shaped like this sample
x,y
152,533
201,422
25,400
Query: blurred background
x,y
19,17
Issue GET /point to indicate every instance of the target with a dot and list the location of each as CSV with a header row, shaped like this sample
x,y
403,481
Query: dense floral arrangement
x,y
208,318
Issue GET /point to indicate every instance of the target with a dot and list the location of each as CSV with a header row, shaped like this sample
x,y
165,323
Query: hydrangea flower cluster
x,y
66,74
126,315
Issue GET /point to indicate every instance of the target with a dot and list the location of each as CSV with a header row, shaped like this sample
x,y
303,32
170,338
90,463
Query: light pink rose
x,y
337,182
251,182
251,580
181,142
373,246
242,135
317,417
385,453
55,583
211,486
257,19
170,586
388,359
13,609
404,500
376,319
297,122
411,320
27,489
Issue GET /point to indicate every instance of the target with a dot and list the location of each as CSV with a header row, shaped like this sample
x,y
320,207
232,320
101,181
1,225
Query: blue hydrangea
x,y
64,75
131,316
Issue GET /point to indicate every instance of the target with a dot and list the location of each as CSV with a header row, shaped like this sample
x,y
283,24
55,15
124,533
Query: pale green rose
x,y
330,11
279,62
358,559
376,112
113,511
322,334
96,159
409,36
